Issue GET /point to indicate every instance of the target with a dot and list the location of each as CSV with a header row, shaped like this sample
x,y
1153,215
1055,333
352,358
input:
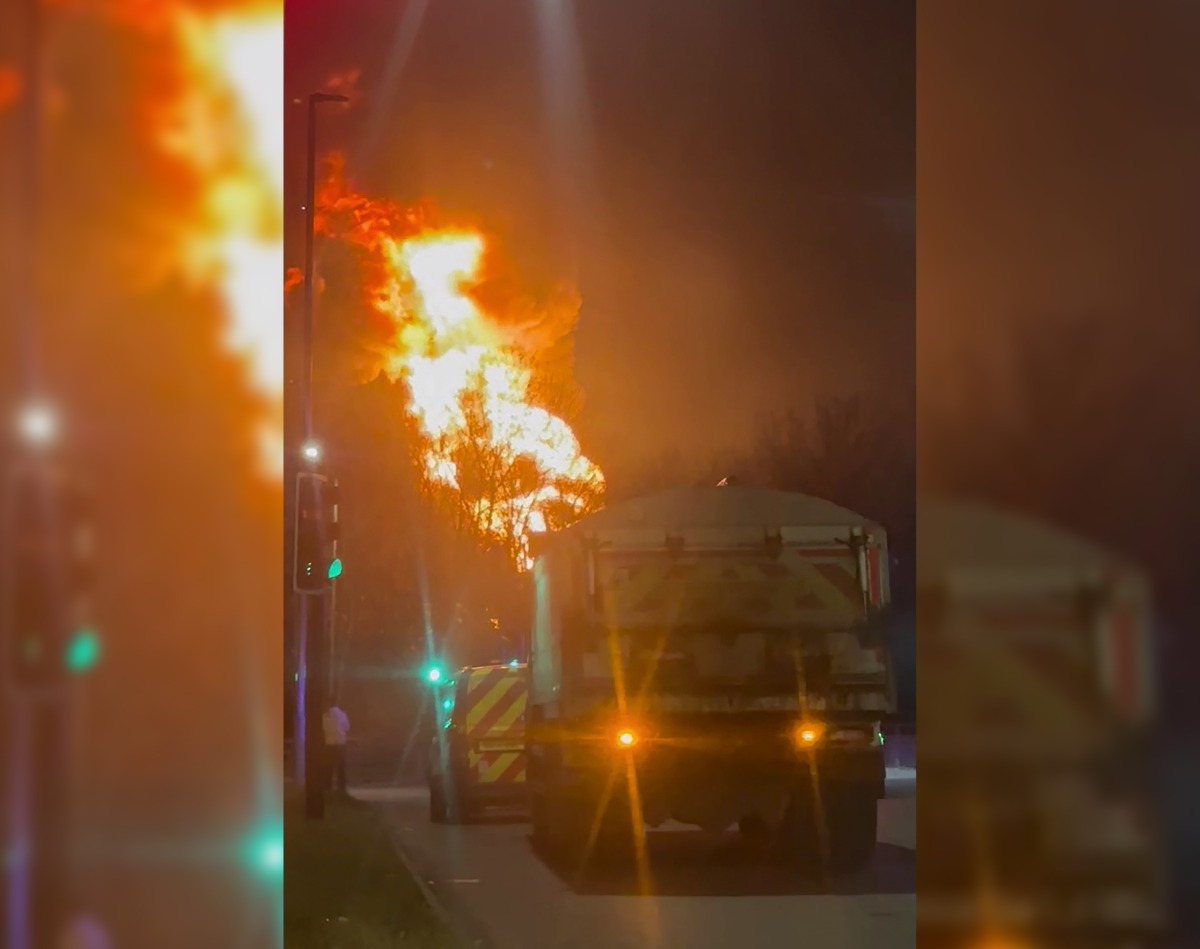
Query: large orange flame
x,y
229,127
218,113
469,373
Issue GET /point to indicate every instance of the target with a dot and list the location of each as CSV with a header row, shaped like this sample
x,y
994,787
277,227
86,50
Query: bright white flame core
x,y
240,57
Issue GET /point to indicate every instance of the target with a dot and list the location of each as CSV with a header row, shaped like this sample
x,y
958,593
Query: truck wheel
x,y
622,834
562,830
852,819
558,830
838,836
752,827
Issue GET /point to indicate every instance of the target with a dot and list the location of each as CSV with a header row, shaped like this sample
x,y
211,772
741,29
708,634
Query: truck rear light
x,y
808,734
627,738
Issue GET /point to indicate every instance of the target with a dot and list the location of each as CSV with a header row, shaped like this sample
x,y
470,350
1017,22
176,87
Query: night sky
x,y
731,186
1058,155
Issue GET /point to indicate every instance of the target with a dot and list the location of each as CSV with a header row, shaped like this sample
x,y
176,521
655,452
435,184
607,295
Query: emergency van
x,y
477,754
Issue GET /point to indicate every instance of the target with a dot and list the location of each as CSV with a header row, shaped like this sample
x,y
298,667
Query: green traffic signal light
x,y
83,651
264,851
433,674
335,568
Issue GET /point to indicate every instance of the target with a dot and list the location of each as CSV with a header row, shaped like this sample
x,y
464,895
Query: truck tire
x,y
752,827
562,830
836,836
852,819
558,832
619,842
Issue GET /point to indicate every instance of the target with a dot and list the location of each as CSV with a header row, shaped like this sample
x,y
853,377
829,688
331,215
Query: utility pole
x,y
44,549
34,901
310,682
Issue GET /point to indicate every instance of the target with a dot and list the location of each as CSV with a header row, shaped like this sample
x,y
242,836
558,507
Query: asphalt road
x,y
708,892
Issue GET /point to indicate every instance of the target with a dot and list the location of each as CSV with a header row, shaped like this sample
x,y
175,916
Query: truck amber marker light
x,y
626,738
808,734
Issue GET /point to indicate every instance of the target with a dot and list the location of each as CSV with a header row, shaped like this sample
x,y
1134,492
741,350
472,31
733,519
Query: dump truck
x,y
1035,658
711,656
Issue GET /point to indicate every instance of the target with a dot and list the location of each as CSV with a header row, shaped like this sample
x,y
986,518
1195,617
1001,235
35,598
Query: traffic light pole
x,y
310,641
34,905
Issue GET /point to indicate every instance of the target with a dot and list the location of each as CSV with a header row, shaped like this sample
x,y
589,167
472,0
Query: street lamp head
x,y
37,425
311,451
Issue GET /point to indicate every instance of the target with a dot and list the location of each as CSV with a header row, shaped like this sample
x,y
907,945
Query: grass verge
x,y
345,888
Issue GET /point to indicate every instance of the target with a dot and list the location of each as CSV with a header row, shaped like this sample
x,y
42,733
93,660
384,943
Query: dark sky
x,y
1059,157
730,185
1058,152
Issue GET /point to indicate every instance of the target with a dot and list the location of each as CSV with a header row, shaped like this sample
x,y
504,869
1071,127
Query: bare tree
x,y
497,497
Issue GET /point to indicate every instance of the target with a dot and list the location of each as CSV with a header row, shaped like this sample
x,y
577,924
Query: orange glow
x,y
10,86
224,123
223,120
626,738
470,373
217,112
345,84
808,734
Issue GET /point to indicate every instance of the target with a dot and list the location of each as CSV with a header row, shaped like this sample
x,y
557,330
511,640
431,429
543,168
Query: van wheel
x,y
438,812
539,819
445,807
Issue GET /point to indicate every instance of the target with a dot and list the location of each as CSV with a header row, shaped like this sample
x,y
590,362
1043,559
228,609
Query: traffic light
x,y
316,563
434,674
44,579
264,849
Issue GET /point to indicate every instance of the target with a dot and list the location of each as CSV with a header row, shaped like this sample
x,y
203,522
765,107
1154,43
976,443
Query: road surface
x,y
709,893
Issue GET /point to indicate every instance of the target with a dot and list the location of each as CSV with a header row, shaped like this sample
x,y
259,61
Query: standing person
x,y
336,726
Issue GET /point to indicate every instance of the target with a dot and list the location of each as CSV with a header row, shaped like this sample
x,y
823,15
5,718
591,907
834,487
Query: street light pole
x,y
37,775
309,688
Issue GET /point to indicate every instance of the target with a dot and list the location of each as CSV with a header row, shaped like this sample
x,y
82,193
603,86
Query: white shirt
x,y
336,726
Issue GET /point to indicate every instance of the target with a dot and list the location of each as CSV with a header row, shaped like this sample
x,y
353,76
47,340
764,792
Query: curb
x,y
466,932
